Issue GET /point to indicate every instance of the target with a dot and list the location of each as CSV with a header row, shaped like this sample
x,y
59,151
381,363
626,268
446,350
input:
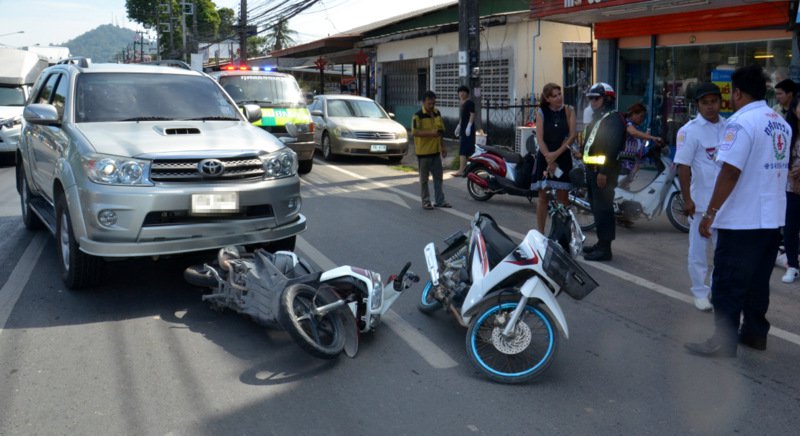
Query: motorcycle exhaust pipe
x,y
480,181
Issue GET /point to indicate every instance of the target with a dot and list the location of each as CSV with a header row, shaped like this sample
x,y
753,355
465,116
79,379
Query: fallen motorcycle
x,y
505,293
324,312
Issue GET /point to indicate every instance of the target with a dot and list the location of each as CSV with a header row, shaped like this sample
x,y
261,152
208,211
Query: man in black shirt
x,y
604,139
465,130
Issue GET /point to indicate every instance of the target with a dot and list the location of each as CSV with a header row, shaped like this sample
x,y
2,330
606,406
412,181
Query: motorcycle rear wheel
x,y
426,303
475,191
321,336
521,358
677,217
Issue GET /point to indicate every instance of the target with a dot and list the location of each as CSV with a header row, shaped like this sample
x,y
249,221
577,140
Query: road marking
x,y
628,277
12,289
418,342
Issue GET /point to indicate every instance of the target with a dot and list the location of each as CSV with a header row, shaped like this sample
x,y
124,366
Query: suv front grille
x,y
188,170
374,135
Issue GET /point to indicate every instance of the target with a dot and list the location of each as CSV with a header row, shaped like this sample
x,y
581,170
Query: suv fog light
x,y
107,217
293,203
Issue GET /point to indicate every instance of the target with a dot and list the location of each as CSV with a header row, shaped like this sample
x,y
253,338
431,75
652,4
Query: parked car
x,y
353,125
283,106
122,161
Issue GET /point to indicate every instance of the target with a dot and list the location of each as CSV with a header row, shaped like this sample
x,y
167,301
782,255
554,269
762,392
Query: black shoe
x,y
589,248
754,342
598,254
710,348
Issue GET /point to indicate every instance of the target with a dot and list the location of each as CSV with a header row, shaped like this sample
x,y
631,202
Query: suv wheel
x,y
78,269
327,154
29,218
305,166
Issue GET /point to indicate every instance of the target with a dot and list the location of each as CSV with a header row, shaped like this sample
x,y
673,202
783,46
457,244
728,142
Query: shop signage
x,y
722,78
576,49
545,8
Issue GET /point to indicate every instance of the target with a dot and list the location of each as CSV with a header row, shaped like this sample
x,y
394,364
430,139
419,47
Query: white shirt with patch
x,y
756,141
697,148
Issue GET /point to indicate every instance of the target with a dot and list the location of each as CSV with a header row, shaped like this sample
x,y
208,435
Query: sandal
x,y
427,206
445,205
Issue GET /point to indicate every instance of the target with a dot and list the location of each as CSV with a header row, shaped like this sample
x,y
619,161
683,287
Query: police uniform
x,y
756,141
697,148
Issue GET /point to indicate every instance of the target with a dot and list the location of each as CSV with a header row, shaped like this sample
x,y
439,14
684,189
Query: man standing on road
x,y
747,208
464,130
604,139
697,172
427,127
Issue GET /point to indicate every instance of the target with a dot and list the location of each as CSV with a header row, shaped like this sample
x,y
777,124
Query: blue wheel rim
x,y
545,357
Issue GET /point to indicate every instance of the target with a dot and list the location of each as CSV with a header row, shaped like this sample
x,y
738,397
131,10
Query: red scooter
x,y
497,170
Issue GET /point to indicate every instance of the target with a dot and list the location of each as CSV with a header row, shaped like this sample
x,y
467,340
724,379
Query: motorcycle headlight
x,y
377,291
279,164
114,170
10,122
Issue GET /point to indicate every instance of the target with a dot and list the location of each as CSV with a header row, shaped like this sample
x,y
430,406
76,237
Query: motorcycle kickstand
x,y
515,315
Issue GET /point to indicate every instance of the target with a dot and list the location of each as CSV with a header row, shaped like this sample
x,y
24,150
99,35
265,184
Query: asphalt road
x,y
142,354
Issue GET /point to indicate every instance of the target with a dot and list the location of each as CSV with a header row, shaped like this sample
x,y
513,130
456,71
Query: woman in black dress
x,y
555,132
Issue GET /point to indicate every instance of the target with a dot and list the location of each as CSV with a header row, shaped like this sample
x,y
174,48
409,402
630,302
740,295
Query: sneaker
x,y
791,275
703,304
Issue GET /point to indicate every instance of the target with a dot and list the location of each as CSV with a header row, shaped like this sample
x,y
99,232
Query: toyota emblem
x,y
211,167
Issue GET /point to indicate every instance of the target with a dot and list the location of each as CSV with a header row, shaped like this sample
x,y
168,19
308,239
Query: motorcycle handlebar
x,y
398,281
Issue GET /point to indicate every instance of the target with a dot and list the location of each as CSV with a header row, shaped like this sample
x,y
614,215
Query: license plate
x,y
224,202
377,148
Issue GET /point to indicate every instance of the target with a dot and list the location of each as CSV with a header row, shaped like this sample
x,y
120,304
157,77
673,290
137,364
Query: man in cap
x,y
747,209
697,172
604,138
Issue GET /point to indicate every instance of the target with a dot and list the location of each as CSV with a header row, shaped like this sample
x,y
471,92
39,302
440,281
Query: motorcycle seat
x,y
498,244
506,154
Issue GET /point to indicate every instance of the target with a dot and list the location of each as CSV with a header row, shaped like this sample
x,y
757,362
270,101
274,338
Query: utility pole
x,y
243,32
469,51
183,30
195,41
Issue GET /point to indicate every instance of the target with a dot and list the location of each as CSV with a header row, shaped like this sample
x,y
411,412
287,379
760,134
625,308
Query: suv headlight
x,y
114,170
10,122
279,164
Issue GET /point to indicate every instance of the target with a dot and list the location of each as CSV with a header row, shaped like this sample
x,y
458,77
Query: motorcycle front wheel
x,y
475,190
426,303
675,212
322,336
520,358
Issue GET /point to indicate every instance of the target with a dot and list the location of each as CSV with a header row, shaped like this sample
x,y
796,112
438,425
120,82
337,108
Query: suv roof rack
x,y
170,63
80,61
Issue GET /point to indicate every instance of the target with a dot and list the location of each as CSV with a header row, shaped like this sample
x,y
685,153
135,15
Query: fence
x,y
501,118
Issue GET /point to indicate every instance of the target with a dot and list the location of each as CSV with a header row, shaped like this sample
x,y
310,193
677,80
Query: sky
x,y
46,22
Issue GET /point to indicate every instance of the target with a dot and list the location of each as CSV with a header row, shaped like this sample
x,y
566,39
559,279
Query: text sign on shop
x,y
722,78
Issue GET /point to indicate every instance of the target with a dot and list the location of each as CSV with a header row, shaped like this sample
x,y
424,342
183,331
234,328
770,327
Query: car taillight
x,y
311,127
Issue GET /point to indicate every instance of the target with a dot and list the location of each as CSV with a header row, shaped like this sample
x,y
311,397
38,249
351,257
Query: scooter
x,y
504,293
497,170
661,194
324,312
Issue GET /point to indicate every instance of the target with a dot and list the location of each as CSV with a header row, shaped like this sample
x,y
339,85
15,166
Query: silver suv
x,y
131,160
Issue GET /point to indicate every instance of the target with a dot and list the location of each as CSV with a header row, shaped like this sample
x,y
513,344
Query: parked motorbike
x,y
497,170
661,194
504,293
323,312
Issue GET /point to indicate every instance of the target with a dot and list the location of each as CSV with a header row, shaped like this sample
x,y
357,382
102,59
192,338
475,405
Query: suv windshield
x,y
354,108
139,97
263,89
12,96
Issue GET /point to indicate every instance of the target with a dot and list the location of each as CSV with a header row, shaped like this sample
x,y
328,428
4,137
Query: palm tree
x,y
280,36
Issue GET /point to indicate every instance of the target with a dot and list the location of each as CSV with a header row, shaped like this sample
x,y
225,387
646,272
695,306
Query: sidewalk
x,y
451,144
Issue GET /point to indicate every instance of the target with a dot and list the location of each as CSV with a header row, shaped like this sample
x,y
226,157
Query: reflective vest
x,y
599,159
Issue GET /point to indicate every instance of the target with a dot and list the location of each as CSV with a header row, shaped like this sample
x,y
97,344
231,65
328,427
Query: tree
x,y
227,23
280,36
255,45
150,14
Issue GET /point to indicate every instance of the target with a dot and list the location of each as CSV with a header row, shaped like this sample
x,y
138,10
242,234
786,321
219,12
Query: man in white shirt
x,y
747,208
697,172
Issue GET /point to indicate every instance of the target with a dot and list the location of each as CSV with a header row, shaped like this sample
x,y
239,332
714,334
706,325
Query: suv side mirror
x,y
252,112
41,114
391,114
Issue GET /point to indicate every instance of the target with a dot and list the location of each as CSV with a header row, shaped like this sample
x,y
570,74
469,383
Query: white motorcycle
x,y
505,294
324,312
661,194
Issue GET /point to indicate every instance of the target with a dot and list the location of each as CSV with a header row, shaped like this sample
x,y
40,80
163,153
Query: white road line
x,y
636,280
418,342
12,289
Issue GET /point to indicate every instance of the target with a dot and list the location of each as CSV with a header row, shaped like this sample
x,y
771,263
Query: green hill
x,y
101,44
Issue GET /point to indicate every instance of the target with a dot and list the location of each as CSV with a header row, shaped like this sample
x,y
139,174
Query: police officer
x,y
697,172
747,209
604,139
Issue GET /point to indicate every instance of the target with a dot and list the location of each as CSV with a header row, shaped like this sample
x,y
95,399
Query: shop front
x,y
657,52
